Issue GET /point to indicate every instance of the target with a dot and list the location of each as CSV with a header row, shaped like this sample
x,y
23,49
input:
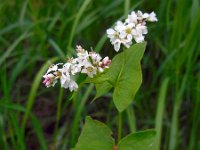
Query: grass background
x,y
36,33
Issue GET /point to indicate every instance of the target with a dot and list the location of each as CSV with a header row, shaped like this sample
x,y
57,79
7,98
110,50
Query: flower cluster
x,y
89,63
134,27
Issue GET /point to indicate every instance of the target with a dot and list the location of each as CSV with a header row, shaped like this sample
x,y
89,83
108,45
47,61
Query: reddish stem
x,y
115,147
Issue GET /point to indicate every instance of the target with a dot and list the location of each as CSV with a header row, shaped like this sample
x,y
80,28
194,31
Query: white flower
x,y
145,15
112,34
75,69
118,38
117,44
141,17
132,18
87,63
114,38
104,64
82,54
139,38
134,27
142,29
73,86
119,26
127,32
121,35
71,67
65,77
67,82
95,58
89,69
152,17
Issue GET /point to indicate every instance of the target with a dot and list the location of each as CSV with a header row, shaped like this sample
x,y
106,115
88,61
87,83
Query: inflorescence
x,y
89,63
134,27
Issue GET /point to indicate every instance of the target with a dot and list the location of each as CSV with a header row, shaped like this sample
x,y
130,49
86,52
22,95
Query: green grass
x,y
34,34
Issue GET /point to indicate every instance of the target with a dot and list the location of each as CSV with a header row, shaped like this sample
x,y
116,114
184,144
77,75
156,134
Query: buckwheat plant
x,y
123,76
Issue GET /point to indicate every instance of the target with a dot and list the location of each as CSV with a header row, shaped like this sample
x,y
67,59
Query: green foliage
x,y
124,75
144,140
34,88
97,136
160,111
37,31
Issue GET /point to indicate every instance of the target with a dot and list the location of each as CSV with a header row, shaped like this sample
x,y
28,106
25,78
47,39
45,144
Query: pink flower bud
x,y
106,62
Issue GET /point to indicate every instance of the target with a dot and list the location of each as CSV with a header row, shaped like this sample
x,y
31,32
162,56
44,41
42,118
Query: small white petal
x,y
129,37
117,46
131,25
122,34
110,31
72,85
145,15
139,38
152,17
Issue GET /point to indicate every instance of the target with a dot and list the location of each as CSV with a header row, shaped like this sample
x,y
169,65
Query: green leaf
x,y
144,140
100,78
95,136
102,88
101,81
125,75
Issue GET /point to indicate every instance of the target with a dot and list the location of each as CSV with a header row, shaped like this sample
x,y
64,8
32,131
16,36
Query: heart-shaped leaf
x,y
129,75
95,136
124,75
144,140
102,88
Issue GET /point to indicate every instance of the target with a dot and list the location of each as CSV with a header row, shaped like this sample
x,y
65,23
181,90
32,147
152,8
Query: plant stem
x,y
131,119
119,127
126,7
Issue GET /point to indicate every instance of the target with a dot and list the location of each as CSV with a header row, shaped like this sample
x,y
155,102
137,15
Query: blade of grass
x,y
18,131
61,141
3,135
17,70
178,97
11,106
88,20
33,91
57,49
23,11
4,84
39,132
73,30
160,111
11,135
13,46
195,121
